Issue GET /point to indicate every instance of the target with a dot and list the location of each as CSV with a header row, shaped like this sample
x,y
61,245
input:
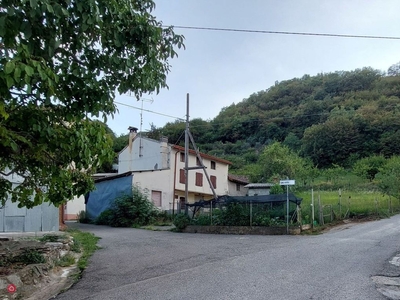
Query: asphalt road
x,y
142,264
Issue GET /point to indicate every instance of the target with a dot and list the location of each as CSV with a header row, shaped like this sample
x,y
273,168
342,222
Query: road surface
x,y
142,264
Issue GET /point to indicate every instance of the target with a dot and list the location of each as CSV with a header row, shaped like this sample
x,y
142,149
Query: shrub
x,y
276,189
203,220
235,214
105,217
181,221
83,217
129,211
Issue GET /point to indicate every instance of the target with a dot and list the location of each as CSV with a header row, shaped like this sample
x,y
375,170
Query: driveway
x,y
142,264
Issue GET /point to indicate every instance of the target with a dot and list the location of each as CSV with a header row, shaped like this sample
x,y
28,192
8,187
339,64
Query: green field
x,y
357,198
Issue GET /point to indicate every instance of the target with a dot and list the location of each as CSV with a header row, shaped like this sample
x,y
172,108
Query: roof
x,y
182,149
191,151
238,178
259,185
111,177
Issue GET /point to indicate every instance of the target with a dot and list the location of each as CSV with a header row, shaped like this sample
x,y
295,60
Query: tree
x,y
277,159
389,177
61,61
368,167
394,70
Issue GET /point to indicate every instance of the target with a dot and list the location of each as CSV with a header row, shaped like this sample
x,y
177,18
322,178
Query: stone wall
x,y
257,230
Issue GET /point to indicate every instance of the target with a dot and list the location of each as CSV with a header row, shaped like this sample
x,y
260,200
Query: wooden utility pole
x,y
189,138
187,155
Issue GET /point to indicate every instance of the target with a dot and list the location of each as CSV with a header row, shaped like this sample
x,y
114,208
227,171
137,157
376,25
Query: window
x,y
213,165
182,203
198,161
182,176
199,179
182,157
238,187
156,198
213,181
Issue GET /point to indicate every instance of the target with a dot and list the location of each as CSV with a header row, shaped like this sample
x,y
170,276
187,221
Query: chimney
x,y
132,135
164,152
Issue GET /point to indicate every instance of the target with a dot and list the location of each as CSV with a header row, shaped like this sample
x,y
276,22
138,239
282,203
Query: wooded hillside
x,y
333,118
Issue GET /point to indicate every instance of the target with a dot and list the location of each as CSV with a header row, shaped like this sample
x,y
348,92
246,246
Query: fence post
x,y
340,204
251,213
376,206
312,208
321,213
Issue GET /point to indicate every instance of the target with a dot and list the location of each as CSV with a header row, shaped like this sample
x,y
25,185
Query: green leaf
x,y
9,68
17,74
26,29
50,8
29,70
2,26
10,82
33,3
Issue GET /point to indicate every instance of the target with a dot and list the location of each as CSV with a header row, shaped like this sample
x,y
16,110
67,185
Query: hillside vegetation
x,y
307,128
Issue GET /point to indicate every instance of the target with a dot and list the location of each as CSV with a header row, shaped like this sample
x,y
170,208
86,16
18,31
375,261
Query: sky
x,y
219,68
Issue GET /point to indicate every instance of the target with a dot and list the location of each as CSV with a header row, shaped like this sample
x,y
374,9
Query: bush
x,y
235,214
83,217
105,218
181,221
129,211
203,220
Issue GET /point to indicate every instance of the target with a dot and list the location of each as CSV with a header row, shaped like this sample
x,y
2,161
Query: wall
x,y
160,180
73,207
221,173
105,192
146,154
258,191
43,217
232,189
258,230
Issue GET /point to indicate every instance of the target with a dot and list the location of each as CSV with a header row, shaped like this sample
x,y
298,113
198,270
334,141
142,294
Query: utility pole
x,y
187,156
189,138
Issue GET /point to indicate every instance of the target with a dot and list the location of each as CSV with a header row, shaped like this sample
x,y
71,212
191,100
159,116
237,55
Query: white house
x,y
158,168
237,185
258,189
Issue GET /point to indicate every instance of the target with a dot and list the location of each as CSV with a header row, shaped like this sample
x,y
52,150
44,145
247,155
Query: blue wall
x,y
106,191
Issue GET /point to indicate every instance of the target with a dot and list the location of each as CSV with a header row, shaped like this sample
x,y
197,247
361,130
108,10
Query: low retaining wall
x,y
258,230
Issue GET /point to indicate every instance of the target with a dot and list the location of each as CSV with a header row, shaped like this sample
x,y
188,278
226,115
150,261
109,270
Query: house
x,y
258,189
237,185
159,168
44,217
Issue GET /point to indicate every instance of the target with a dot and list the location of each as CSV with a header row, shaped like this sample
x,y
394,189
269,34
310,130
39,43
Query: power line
x,y
150,111
222,123
289,32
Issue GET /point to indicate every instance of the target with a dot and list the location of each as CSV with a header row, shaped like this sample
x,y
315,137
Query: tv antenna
x,y
141,119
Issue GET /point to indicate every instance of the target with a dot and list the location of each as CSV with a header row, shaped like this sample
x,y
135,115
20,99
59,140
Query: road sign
x,y
287,182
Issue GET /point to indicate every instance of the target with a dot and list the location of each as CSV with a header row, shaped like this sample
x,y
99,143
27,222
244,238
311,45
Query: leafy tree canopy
x,y
60,62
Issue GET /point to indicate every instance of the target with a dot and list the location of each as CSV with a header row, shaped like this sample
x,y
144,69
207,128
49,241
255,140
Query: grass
x,y
88,245
359,198
66,261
